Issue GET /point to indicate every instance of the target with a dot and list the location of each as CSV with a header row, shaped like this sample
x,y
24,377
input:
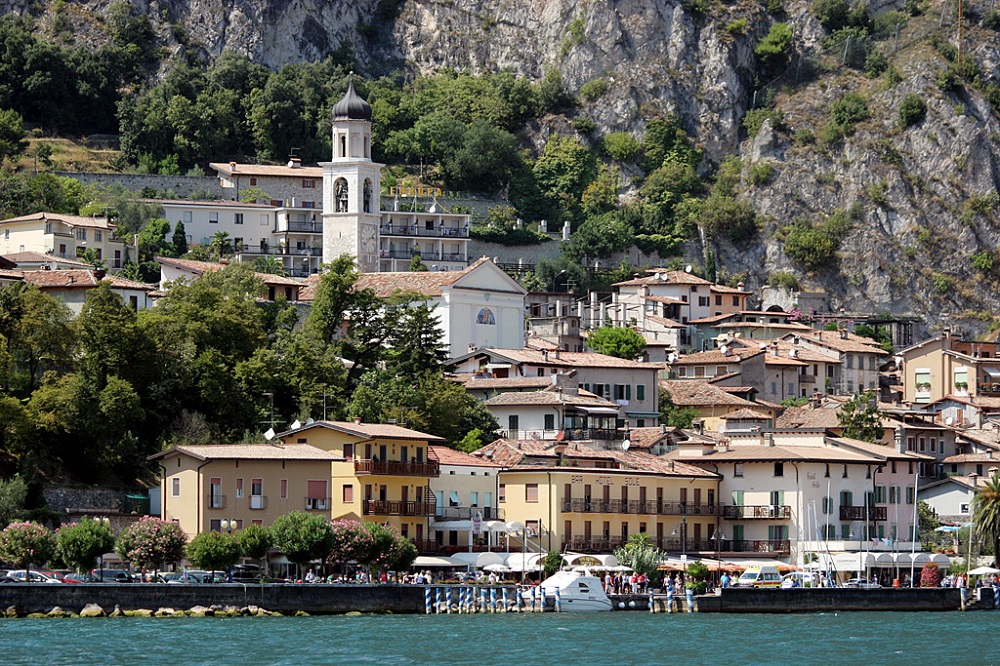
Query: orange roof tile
x,y
668,277
226,169
250,452
699,393
449,456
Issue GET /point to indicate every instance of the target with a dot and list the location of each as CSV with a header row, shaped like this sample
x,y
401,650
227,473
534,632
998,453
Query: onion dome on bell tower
x,y
352,106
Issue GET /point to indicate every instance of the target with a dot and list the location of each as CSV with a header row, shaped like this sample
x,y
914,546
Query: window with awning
x,y
316,494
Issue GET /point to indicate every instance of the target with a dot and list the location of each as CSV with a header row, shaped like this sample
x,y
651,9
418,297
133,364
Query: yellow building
x,y
580,499
248,484
380,472
369,472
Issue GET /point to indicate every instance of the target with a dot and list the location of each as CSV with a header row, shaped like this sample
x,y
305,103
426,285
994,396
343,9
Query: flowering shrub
x,y
80,544
24,544
930,576
150,542
350,541
373,546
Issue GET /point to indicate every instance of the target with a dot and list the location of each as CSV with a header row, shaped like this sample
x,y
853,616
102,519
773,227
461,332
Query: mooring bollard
x,y
447,598
427,601
437,599
540,593
558,601
505,606
531,597
493,600
482,600
689,593
670,599
651,605
965,597
996,595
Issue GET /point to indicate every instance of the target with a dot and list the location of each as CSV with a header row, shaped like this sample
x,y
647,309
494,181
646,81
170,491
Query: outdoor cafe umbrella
x,y
984,571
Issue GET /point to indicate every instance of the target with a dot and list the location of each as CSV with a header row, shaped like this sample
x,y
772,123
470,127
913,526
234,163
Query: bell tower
x,y
351,186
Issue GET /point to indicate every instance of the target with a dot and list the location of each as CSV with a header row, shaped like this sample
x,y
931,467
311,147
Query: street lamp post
x,y
683,535
556,277
105,521
718,537
229,524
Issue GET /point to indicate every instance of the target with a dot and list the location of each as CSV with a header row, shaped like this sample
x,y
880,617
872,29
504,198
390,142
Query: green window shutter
x,y
628,391
640,392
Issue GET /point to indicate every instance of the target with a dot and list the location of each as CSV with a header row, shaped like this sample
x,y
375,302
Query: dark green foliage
x,y
600,236
552,94
665,138
621,146
848,111
774,46
912,110
12,143
728,217
991,20
815,246
617,341
213,551
80,544
832,14
562,172
672,415
754,119
302,537
875,63
512,237
254,541
860,417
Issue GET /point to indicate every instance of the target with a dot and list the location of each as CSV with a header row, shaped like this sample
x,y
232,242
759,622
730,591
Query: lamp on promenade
x,y
718,537
229,524
683,535
104,521
556,277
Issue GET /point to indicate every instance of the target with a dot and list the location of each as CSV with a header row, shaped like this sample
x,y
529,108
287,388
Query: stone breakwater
x,y
138,599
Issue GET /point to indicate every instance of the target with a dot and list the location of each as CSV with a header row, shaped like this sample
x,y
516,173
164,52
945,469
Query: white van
x,y
800,579
766,576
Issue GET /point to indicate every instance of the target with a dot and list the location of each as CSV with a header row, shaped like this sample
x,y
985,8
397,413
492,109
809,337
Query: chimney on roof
x,y
843,333
232,167
99,273
768,439
555,353
357,420
545,355
699,426
294,162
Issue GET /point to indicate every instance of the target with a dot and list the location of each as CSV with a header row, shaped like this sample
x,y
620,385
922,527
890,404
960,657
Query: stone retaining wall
x,y
287,599
820,599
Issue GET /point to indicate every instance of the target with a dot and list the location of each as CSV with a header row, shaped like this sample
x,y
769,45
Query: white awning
x,y
524,561
993,374
436,561
466,525
478,560
609,411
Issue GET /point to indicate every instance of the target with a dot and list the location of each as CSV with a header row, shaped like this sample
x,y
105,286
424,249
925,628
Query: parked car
x,y
800,579
36,577
61,575
112,576
246,573
754,576
78,578
862,583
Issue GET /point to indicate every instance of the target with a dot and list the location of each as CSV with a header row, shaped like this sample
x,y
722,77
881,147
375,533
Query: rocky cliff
x,y
923,198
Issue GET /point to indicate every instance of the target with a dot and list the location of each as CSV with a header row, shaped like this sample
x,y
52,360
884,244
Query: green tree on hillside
x,y
12,143
81,544
860,417
617,341
986,515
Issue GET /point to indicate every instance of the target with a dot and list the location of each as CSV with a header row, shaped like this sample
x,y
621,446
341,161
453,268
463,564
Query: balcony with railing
x,y
807,379
584,544
317,503
649,507
858,513
674,544
763,512
216,501
397,468
418,230
268,250
397,508
258,502
301,227
430,546
581,434
465,512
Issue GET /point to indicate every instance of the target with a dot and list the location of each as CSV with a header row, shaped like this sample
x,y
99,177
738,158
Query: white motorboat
x,y
579,591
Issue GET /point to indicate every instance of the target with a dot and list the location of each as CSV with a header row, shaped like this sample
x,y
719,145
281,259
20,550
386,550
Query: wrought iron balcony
x,y
417,230
649,507
465,512
858,513
397,508
763,512
396,468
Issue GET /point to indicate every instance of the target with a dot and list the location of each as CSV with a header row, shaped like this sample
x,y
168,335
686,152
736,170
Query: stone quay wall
x,y
286,599
822,599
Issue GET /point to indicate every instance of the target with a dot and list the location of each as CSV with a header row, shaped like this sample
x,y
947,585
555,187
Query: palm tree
x,y
986,514
270,265
220,244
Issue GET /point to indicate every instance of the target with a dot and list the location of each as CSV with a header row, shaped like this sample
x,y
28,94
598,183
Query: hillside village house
x,y
946,366
275,286
860,359
713,403
570,497
465,493
795,492
370,472
36,261
71,287
563,413
61,236
629,384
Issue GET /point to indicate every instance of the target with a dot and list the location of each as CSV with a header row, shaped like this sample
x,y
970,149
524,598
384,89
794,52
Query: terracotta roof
x,y
973,457
665,322
698,393
713,319
809,417
650,436
366,430
760,453
537,342
226,169
250,452
39,258
565,359
78,279
70,220
852,343
785,347
715,356
200,267
476,383
510,453
664,299
886,451
427,283
307,288
449,456
983,402
726,289
121,283
548,397
746,414
772,359
761,325
11,275
669,277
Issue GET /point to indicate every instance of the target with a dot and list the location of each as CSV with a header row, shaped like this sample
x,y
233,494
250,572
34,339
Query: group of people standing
x,y
625,583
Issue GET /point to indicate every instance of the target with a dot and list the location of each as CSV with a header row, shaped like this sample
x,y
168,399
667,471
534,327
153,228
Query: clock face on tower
x,y
368,239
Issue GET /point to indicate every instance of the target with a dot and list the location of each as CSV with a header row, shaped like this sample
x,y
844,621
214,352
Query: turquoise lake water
x,y
610,638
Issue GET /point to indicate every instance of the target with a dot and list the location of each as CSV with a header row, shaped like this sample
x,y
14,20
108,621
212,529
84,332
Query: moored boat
x,y
579,591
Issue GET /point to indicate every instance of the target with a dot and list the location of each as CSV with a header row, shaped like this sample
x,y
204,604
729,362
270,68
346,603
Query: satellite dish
x,y
296,424
269,435
948,421
310,421
687,269
721,428
626,444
